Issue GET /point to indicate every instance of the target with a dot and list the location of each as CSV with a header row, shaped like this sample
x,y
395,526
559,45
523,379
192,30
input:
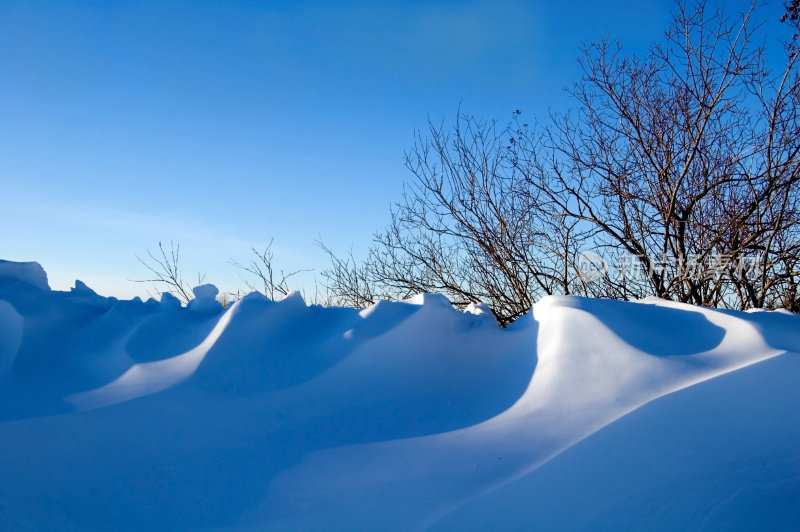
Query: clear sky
x,y
221,125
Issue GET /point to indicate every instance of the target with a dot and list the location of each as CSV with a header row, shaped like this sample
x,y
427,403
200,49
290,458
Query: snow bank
x,y
31,273
278,415
10,336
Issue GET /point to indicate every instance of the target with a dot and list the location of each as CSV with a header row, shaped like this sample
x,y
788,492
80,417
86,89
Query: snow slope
x,y
278,415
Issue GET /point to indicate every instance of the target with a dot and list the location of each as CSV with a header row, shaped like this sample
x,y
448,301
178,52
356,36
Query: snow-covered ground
x,y
584,414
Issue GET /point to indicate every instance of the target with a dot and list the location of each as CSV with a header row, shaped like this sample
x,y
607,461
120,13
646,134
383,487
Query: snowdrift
x,y
583,414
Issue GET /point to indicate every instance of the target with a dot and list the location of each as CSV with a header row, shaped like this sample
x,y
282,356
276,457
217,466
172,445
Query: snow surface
x,y
131,415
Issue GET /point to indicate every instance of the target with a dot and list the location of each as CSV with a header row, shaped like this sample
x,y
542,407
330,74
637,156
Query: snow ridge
x,y
281,415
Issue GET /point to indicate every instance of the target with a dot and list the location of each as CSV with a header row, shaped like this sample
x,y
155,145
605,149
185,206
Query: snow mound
x,y
131,415
31,273
10,336
205,299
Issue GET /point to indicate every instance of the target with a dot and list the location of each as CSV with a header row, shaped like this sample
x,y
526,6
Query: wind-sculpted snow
x,y
279,415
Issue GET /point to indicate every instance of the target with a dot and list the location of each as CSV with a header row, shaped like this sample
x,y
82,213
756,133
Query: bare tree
x,y
681,166
467,227
681,158
348,282
261,271
166,273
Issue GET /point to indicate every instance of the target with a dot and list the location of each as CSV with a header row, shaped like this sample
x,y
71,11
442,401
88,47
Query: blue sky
x,y
221,125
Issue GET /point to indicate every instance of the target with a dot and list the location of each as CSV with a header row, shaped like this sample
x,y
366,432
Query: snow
x,y
583,414
205,299
26,272
721,455
10,336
